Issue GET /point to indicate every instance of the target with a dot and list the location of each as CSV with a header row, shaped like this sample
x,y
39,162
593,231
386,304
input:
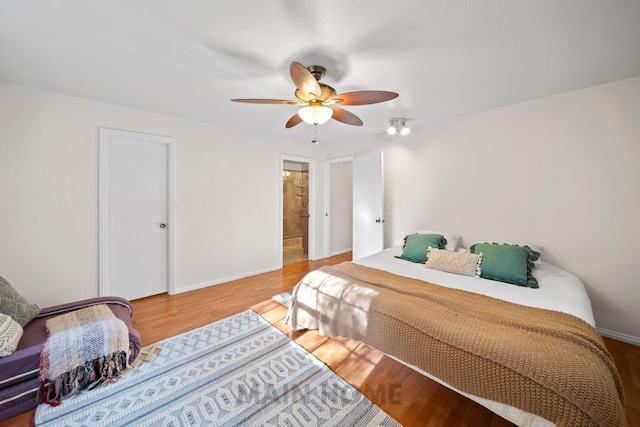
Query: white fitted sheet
x,y
558,289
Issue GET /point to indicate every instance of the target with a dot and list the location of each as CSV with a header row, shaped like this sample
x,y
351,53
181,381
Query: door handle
x,y
380,221
163,225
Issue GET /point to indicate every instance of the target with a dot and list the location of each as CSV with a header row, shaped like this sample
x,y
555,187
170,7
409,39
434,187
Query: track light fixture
x,y
398,127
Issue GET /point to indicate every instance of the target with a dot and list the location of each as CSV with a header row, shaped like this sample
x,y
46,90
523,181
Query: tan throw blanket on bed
x,y
541,361
83,349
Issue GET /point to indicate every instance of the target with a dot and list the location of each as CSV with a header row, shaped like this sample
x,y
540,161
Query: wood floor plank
x,y
408,396
627,358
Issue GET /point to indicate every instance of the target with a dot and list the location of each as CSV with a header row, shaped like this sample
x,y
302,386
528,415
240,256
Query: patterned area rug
x,y
236,371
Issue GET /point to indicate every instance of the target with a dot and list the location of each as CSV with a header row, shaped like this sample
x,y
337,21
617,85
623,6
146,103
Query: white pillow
x,y
10,334
452,239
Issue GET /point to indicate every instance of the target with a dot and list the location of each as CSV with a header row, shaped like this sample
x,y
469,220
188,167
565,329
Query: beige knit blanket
x,y
541,361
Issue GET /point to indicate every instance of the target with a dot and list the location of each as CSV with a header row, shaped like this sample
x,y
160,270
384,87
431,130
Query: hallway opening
x,y
295,212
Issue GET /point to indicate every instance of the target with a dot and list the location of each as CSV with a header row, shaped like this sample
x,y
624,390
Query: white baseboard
x,y
618,336
183,289
340,252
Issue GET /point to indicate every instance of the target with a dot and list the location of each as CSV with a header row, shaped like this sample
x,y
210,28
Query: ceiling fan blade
x,y
294,120
346,117
268,101
365,97
304,80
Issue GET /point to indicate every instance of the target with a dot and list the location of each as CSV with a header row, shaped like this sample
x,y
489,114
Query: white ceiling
x,y
445,58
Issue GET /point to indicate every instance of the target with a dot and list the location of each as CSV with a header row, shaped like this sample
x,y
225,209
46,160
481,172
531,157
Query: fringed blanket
x,y
544,362
84,348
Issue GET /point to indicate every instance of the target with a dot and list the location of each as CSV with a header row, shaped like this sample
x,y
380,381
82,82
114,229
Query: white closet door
x,y
136,223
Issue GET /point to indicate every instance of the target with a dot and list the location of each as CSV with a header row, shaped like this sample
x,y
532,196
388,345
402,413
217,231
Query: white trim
x,y
224,280
340,252
311,207
102,212
340,159
618,336
105,137
327,201
171,237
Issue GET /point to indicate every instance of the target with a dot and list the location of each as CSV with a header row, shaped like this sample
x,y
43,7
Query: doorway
x,y
354,197
339,205
135,214
296,201
295,212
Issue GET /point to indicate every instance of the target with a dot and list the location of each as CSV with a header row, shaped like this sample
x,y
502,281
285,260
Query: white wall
x,y
227,180
562,172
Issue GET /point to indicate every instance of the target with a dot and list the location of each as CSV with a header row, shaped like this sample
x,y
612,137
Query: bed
x,y
530,355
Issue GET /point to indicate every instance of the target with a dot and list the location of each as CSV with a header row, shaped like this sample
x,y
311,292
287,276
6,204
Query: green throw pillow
x,y
507,263
416,245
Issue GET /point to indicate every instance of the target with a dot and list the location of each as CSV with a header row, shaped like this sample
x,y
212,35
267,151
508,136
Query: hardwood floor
x,y
409,397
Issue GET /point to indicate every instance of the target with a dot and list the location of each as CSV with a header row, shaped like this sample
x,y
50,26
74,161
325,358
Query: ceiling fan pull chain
x,y
315,134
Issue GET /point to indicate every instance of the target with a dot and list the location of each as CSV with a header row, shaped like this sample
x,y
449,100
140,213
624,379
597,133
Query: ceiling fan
x,y
319,100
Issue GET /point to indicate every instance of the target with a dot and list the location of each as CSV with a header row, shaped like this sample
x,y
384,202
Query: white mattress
x,y
558,290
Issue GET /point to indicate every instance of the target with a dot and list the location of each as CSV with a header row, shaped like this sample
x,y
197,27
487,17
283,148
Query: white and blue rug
x,y
236,371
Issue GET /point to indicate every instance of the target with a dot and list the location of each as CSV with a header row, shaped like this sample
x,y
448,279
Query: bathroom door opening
x,y
296,217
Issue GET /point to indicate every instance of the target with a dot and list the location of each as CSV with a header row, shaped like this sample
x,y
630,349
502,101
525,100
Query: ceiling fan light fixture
x,y
315,114
398,127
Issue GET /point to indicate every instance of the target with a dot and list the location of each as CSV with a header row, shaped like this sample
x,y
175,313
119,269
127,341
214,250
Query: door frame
x,y
105,138
311,207
327,199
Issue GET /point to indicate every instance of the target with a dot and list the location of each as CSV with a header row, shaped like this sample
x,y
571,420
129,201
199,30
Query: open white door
x,y
135,214
368,205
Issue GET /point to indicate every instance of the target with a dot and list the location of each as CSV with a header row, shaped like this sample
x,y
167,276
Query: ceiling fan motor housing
x,y
317,71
